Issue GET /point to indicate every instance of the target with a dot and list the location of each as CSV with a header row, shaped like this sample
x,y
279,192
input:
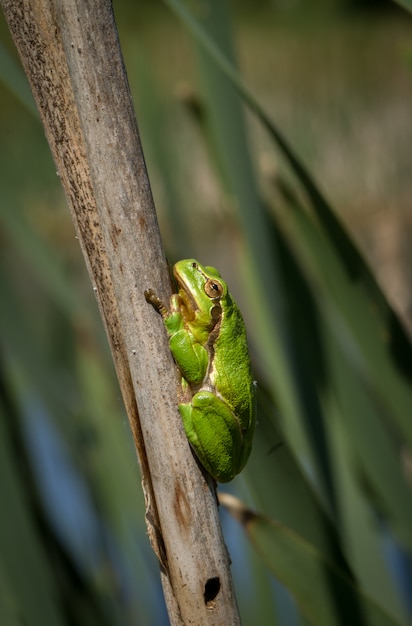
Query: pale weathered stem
x,y
71,55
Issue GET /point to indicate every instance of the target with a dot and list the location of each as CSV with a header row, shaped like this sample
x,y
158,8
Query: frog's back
x,y
232,370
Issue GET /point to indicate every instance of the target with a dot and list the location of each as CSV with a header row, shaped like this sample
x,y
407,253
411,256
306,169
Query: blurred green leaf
x,y
406,4
29,592
366,330
324,594
15,80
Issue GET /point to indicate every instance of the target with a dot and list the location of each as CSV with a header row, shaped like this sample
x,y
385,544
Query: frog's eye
x,y
213,288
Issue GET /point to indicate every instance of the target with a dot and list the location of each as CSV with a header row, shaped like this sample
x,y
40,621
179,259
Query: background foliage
x,y
331,465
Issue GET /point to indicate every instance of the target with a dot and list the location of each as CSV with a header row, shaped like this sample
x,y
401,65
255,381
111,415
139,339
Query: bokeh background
x,y
336,78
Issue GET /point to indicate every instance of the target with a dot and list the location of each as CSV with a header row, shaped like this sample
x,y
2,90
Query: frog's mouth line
x,y
187,297
188,301
188,305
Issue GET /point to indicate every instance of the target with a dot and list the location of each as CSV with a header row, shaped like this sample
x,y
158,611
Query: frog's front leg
x,y
191,357
214,433
156,303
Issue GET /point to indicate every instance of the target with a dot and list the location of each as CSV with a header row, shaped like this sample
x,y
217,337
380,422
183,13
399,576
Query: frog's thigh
x,y
214,433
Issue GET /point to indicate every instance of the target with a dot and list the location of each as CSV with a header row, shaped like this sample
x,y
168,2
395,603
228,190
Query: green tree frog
x,y
207,338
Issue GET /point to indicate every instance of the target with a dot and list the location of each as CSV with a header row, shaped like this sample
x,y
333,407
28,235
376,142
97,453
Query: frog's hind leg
x,y
214,433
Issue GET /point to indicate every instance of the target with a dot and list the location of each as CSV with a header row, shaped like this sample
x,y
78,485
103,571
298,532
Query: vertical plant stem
x,y
71,55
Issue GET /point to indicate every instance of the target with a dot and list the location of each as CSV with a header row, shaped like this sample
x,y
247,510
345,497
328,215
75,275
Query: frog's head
x,y
202,289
